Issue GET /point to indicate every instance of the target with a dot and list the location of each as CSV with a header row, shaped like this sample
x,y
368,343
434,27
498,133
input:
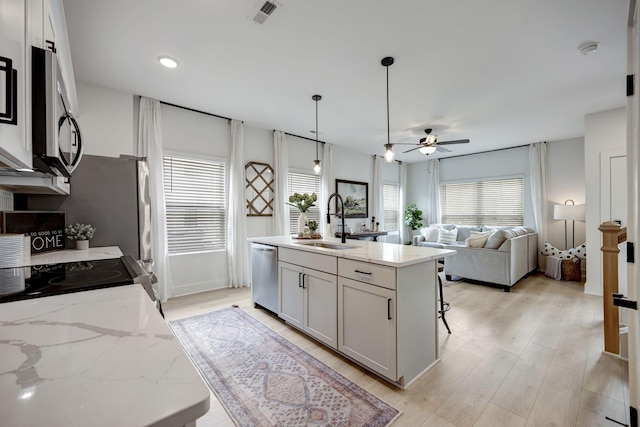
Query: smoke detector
x,y
588,48
263,10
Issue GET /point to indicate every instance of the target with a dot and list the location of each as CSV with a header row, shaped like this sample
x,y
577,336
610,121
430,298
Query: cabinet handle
x,y
363,272
389,309
299,280
303,277
51,45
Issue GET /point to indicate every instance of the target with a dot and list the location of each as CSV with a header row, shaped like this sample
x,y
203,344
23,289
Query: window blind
x,y
303,183
390,207
195,204
491,202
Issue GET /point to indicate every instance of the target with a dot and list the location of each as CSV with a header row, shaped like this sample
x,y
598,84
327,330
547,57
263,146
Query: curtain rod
x,y
195,111
488,151
302,137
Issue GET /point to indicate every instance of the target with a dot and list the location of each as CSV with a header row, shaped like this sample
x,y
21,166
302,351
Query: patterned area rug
x,y
264,380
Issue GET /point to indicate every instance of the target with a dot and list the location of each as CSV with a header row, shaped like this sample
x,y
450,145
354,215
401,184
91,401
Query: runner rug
x,y
264,380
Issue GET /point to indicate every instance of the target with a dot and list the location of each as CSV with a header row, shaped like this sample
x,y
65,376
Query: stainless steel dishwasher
x,y
264,276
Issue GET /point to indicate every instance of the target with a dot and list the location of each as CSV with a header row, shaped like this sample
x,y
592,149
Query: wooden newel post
x,y
610,251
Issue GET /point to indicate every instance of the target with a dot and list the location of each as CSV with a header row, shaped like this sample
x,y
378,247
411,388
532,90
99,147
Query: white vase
x,y
82,245
302,221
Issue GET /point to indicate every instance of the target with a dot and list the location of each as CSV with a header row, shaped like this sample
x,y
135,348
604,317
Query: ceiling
x,y
501,73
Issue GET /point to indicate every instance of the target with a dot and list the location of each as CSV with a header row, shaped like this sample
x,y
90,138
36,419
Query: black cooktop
x,y
46,280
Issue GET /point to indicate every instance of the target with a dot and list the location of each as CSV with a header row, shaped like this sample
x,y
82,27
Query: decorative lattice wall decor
x,y
259,189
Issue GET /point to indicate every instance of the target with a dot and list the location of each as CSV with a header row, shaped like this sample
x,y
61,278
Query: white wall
x,y
200,135
565,180
495,164
604,131
106,120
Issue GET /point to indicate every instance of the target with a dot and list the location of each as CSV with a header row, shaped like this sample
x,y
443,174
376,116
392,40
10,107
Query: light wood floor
x,y
532,357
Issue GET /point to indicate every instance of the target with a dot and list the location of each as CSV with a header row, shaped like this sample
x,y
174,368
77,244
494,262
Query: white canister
x,y
12,250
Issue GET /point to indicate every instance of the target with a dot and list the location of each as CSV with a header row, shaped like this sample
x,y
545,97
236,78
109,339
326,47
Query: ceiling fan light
x,y
389,155
428,149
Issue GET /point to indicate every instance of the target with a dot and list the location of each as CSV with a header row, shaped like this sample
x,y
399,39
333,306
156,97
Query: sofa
x,y
493,255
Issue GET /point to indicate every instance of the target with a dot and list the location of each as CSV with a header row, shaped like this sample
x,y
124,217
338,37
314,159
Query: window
x,y
390,207
303,183
195,204
495,202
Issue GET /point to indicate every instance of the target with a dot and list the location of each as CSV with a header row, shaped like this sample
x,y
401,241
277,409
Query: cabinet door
x,y
321,304
367,325
14,80
291,294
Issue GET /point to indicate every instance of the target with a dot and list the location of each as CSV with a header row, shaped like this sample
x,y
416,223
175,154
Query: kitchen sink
x,y
326,245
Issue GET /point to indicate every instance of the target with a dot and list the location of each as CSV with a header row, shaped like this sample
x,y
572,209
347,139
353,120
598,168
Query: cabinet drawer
x,y
379,275
319,262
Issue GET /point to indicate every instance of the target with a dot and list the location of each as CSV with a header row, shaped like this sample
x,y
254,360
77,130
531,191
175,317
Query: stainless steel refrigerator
x,y
112,195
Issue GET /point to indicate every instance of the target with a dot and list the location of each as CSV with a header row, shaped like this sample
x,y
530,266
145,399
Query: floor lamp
x,y
569,212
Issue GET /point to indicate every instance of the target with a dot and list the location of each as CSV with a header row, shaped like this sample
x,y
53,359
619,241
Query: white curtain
x,y
402,202
326,186
431,212
538,174
150,146
281,194
377,192
237,246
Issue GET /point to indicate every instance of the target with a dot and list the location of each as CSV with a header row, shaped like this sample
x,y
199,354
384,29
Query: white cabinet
x,y
381,316
307,299
387,317
49,31
290,294
15,83
367,325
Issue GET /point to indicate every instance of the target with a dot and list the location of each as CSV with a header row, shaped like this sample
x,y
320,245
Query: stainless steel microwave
x,y
56,139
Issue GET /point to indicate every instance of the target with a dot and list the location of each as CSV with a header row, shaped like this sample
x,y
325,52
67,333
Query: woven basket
x,y
571,270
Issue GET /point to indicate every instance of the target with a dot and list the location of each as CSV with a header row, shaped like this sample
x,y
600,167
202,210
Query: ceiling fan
x,y
430,144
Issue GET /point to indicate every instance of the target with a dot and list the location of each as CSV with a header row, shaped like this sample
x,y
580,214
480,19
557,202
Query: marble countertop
x,y
390,254
98,358
75,255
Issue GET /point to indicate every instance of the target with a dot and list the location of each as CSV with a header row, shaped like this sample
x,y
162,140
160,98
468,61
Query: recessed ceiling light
x,y
588,48
168,61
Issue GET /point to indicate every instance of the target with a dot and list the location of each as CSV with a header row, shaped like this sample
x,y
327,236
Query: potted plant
x,y
303,202
81,233
413,217
313,226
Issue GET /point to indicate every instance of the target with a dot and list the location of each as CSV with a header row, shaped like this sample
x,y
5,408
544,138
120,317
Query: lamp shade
x,y
569,212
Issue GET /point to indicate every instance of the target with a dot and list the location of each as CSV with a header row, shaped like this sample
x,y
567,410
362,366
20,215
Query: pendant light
x,y
316,167
389,155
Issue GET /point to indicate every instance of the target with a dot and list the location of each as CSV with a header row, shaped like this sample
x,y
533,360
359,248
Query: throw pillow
x,y
464,231
477,239
496,239
549,249
430,234
447,237
579,251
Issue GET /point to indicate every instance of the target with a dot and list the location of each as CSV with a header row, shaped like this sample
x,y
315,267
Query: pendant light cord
x,y
388,135
317,129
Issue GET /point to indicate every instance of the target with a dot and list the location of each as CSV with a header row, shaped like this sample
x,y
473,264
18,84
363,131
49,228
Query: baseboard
x,y
194,288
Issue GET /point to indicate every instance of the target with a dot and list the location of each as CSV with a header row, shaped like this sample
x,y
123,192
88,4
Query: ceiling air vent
x,y
263,11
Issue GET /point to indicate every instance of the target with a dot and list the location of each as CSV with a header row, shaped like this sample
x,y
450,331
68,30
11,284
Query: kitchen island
x,y
374,303
96,358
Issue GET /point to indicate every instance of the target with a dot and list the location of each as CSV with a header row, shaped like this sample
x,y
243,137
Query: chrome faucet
x,y
343,235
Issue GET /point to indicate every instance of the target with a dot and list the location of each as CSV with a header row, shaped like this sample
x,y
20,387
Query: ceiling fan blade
x,y
457,141
408,151
404,143
443,150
